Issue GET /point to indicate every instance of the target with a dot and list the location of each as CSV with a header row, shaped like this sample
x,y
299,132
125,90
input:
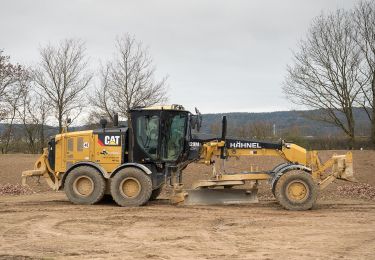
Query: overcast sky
x,y
220,56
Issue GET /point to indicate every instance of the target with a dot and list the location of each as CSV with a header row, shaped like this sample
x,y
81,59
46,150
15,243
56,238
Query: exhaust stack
x,y
115,120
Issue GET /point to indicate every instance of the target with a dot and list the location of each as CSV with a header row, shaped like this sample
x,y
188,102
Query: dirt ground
x,y
45,225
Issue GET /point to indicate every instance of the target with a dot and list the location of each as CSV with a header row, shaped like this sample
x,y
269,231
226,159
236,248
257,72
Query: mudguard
x,y
280,170
136,165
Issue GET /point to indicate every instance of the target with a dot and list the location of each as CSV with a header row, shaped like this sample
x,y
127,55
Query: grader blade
x,y
219,197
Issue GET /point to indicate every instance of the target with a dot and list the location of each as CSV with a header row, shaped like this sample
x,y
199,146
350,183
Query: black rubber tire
x,y
97,179
145,189
281,190
155,193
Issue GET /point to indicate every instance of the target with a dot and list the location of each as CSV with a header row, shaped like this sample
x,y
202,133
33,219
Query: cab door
x,y
146,131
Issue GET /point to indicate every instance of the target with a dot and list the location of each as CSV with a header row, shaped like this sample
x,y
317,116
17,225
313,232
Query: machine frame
x,y
158,147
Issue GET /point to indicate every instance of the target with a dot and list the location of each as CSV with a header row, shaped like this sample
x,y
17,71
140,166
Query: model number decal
x,y
194,144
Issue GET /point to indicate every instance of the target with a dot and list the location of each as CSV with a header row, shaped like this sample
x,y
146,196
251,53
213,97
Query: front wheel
x,y
131,187
296,190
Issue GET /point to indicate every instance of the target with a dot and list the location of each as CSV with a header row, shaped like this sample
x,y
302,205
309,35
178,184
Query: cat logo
x,y
109,140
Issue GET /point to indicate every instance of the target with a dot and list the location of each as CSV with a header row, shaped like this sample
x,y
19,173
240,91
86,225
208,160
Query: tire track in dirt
x,y
19,229
53,227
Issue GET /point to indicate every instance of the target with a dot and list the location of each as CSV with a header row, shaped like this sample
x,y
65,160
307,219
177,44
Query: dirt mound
x,y
361,190
15,189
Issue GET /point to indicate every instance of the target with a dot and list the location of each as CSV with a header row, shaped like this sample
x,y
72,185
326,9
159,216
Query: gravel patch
x,y
15,189
361,190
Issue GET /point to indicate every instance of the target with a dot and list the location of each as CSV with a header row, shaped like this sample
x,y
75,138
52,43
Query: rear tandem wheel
x,y
296,190
131,187
84,185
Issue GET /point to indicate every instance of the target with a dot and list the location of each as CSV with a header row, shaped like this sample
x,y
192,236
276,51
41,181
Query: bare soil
x,y
46,225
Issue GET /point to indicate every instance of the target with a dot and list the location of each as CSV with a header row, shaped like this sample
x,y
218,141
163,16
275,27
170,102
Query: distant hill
x,y
283,121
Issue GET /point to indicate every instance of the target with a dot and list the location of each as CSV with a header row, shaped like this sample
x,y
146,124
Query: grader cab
x,y
133,163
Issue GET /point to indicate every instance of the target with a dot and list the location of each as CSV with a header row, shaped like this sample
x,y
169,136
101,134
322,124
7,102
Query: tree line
x,y
261,130
333,71
61,86
334,68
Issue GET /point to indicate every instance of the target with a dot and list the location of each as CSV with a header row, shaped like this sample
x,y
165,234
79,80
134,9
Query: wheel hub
x,y
130,187
297,191
83,186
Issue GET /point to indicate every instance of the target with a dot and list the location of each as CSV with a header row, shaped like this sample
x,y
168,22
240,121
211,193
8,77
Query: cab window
x,y
148,134
173,137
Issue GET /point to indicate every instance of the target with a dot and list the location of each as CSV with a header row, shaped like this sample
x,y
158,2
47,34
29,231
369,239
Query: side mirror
x,y
199,119
196,120
193,121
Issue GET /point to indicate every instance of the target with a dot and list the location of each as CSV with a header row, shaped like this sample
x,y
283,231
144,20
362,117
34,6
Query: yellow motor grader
x,y
133,163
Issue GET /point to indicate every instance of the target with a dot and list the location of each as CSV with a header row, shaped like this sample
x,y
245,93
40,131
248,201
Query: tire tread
x,y
280,190
97,178
145,181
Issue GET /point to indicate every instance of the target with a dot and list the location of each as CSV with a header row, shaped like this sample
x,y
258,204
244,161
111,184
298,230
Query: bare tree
x,y
8,76
62,76
128,81
6,73
364,20
33,113
325,73
260,130
12,100
215,129
103,99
